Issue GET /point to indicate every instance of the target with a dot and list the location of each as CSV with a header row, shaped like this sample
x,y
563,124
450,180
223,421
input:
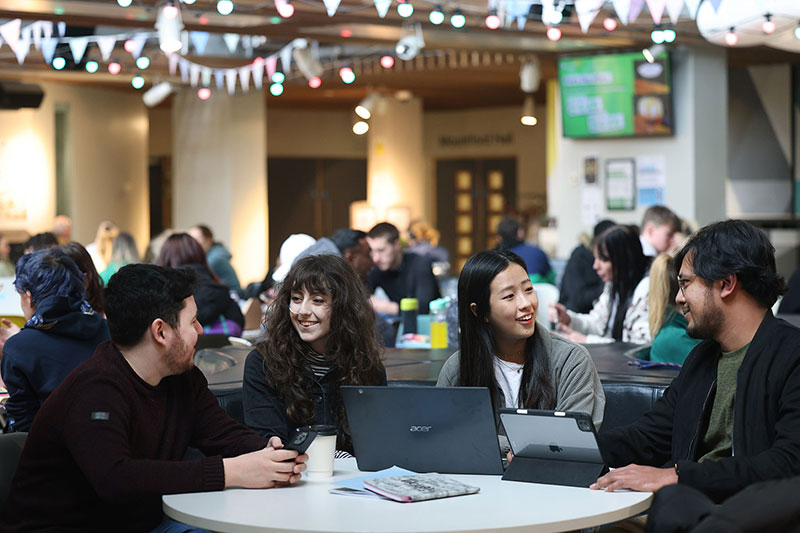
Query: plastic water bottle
x,y
408,312
439,323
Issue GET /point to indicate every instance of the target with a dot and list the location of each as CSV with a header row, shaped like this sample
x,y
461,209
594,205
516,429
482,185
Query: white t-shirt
x,y
509,377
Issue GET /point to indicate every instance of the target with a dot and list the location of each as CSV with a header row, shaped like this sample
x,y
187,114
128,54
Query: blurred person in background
x,y
659,225
580,284
62,229
100,249
218,257
425,242
512,238
91,279
123,252
6,266
40,241
216,311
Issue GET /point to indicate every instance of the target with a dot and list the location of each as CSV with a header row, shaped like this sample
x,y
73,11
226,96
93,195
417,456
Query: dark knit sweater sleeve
x,y
264,412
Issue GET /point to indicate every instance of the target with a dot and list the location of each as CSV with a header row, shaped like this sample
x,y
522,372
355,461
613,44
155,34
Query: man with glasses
x,y
732,415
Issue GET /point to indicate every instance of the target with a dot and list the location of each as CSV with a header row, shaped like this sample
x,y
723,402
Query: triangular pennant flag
x,y
272,65
183,65
244,78
106,45
382,6
331,6
286,58
656,8
521,20
258,76
247,44
47,29
10,33
199,41
715,4
23,47
173,63
184,43
138,44
37,34
587,11
634,10
205,77
691,6
77,45
49,48
674,8
62,28
194,74
622,7
231,41
218,77
230,80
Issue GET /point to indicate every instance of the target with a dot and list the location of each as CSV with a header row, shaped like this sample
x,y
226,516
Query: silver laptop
x,y
450,430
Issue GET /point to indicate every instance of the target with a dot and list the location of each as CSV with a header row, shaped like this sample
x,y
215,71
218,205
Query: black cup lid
x,y
324,430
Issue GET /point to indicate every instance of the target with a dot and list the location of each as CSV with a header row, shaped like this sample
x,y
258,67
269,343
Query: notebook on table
x,y
450,430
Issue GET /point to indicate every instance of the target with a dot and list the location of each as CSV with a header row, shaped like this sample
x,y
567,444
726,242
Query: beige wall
x,y
160,141
299,133
106,166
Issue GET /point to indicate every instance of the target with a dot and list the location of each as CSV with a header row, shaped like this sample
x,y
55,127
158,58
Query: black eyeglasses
x,y
684,282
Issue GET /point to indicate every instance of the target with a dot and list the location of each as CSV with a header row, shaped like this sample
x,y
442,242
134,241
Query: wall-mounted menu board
x,y
616,95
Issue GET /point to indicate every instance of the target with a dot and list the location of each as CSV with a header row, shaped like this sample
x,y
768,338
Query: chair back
x,y
627,402
546,294
11,445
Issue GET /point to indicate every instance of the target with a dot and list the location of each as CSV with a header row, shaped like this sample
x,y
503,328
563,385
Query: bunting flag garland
x,y
271,64
205,77
656,8
587,11
49,48
199,41
286,58
218,77
173,59
230,80
674,8
231,41
331,6
37,34
244,78
715,4
106,46
62,28
194,74
47,29
634,10
622,7
382,6
258,76
521,20
77,45
23,47
691,6
183,66
138,44
10,33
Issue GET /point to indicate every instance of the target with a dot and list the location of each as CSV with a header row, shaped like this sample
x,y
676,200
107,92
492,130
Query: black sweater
x,y
106,445
766,432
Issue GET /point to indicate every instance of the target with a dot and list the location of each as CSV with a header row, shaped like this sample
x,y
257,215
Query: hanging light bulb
x,y
669,35
797,31
405,9
137,82
492,20
124,3
276,89
437,15
188,2
225,7
204,93
768,26
315,82
458,20
59,63
731,38
142,62
387,61
114,68
553,33
610,23
528,116
657,35
285,9
92,66
278,77
169,26
347,75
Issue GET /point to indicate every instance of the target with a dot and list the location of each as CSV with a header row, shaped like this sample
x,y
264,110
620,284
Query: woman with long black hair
x,y
320,335
505,349
621,312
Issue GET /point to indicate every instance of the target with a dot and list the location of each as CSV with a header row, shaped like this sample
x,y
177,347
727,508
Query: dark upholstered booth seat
x,y
626,402
231,401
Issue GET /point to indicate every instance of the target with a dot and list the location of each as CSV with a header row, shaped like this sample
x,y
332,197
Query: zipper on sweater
x,y
700,423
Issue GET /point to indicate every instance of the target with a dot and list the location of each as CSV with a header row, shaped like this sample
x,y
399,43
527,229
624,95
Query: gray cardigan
x,y
574,376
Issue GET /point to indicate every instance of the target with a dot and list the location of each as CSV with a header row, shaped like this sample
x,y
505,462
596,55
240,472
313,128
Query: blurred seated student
x,y
580,284
425,242
621,312
320,334
505,349
216,311
659,225
123,252
61,332
218,257
40,241
6,266
112,439
62,229
91,279
671,343
512,238
100,248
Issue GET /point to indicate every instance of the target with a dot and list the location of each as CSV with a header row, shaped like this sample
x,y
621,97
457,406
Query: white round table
x,y
499,506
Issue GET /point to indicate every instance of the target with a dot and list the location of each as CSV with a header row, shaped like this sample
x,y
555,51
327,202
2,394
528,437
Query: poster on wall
x,y
591,205
590,169
620,178
651,179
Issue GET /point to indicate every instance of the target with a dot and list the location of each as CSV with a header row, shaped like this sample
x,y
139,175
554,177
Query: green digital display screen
x,y
616,95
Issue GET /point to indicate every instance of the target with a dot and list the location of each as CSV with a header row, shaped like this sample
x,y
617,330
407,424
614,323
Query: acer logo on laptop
x,y
422,429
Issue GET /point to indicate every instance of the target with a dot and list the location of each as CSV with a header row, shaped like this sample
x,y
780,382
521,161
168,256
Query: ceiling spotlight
x,y
309,66
225,7
59,63
137,82
492,20
169,26
553,33
387,61
124,3
364,108
458,20
347,75
156,94
530,75
731,38
276,89
142,62
610,23
650,54
405,9
92,66
315,82
114,68
437,15
204,93
360,127
528,117
409,46
768,26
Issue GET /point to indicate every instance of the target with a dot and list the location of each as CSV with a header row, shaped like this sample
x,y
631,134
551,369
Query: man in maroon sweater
x,y
111,439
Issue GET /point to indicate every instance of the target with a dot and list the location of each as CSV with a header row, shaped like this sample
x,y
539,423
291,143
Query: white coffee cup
x,y
321,453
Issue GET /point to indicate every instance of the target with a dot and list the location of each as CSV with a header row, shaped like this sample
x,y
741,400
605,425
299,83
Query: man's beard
x,y
709,324
179,357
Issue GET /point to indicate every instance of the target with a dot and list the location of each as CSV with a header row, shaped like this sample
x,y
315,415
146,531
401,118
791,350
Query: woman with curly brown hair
x,y
320,335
